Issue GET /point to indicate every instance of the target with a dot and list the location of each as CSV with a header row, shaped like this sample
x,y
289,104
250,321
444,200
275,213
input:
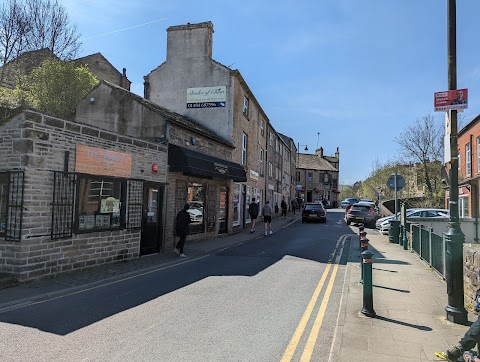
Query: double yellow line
x,y
312,338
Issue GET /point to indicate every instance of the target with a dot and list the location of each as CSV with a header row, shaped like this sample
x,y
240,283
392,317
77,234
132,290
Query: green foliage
x,y
57,86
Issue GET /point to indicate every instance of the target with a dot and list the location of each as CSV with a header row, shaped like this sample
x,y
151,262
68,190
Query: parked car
x,y
388,218
349,201
413,214
314,212
362,212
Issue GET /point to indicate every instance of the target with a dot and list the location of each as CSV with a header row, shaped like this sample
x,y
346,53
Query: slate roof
x,y
313,162
169,115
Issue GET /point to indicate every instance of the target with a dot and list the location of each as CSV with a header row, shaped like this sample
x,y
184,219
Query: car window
x,y
313,207
361,207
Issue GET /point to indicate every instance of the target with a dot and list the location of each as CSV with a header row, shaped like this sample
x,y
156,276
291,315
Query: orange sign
x,y
97,161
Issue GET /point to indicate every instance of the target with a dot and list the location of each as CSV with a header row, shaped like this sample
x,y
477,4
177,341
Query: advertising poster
x,y
451,100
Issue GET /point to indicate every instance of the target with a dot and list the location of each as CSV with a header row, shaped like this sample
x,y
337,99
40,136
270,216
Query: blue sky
x,y
357,72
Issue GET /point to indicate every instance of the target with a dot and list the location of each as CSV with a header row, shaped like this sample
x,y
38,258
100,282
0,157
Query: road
x,y
275,298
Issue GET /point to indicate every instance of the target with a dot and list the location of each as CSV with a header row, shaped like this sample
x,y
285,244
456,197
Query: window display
x,y
196,197
99,203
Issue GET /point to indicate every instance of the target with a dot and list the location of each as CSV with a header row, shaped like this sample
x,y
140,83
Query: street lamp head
x,y
306,148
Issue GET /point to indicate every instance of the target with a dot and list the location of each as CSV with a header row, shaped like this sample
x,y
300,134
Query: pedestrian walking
x,y
253,211
181,228
267,218
294,206
276,209
284,207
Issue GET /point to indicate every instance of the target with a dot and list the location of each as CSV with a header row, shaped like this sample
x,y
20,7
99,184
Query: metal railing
x,y
429,246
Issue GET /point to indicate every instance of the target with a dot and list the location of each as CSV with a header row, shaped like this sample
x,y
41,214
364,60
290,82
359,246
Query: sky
x,y
346,73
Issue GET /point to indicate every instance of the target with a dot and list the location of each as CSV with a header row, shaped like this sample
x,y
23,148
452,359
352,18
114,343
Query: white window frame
x,y
468,159
262,128
478,155
270,169
244,149
245,106
262,165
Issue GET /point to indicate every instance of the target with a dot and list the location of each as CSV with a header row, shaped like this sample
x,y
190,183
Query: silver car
x,y
413,214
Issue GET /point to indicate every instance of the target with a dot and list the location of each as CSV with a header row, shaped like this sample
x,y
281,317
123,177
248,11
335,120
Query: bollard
x,y
400,233
405,240
363,247
367,284
362,234
361,228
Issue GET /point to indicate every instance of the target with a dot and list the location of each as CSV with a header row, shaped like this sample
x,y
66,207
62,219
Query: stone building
x,y
97,64
74,195
317,177
191,83
200,170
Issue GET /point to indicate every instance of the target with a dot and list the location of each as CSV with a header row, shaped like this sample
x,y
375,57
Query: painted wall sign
x,y
254,175
207,97
97,161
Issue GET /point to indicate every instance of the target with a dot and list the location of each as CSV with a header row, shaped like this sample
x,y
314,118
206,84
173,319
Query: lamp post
x,y
298,161
454,236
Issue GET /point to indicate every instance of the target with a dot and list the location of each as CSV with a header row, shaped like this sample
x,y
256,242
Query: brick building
x,y
74,195
191,83
469,170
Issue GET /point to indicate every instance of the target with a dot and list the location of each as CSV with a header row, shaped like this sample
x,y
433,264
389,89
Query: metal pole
x,y
454,237
396,208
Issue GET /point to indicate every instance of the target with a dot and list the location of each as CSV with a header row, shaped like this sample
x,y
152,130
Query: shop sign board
x,y
207,97
97,161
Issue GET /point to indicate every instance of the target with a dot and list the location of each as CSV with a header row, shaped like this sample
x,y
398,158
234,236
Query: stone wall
x,y
471,269
36,144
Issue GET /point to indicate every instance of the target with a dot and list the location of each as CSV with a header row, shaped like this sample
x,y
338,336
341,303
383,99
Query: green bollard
x,y
363,247
367,309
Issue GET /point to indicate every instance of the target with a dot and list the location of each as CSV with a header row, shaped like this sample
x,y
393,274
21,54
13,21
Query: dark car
x,y
362,212
349,201
314,212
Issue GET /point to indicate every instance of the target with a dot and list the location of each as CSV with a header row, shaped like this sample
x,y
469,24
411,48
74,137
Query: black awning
x,y
194,163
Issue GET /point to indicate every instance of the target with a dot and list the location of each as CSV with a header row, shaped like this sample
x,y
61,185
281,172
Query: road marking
x,y
292,346
308,350
312,338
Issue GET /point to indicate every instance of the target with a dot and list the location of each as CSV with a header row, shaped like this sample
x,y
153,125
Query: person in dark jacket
x,y
253,211
181,228
284,207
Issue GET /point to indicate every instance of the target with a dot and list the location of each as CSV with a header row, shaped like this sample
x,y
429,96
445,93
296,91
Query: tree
x,y
27,25
57,86
13,32
50,28
423,143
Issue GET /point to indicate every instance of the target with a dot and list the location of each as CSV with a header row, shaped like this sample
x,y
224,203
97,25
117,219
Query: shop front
x,y
73,196
204,182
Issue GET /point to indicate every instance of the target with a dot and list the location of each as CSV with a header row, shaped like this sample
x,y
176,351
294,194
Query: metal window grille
x,y
63,204
16,186
135,204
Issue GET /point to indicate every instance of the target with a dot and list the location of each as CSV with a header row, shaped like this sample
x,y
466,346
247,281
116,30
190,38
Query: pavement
x,y
409,298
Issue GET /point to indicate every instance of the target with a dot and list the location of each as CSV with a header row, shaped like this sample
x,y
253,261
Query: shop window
x,y
101,202
196,199
237,191
11,204
3,202
62,205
